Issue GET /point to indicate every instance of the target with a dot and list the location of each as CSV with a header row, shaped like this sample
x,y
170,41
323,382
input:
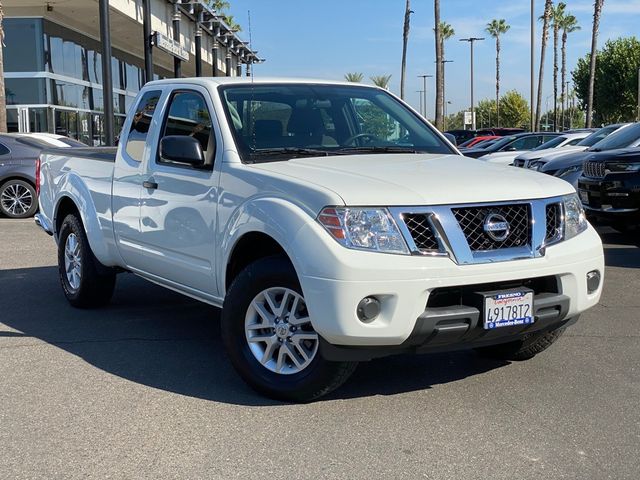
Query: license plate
x,y
584,197
508,309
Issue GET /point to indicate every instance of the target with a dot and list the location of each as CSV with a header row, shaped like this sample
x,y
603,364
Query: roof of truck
x,y
254,80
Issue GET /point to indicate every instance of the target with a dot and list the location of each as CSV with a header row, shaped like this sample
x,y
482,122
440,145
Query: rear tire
x,y
18,199
523,349
86,283
269,338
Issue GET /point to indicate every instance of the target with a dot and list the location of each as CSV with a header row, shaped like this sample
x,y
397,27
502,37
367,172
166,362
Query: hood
x,y
551,153
417,179
564,161
630,155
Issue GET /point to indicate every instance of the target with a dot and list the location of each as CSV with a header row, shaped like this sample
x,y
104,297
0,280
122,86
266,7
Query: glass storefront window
x,y
24,47
66,94
94,66
38,120
66,123
12,120
84,132
25,90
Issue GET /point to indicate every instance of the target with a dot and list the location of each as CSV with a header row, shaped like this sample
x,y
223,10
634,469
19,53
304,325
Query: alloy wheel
x,y
16,199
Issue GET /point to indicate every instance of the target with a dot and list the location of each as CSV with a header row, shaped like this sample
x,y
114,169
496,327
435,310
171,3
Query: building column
x,y
214,55
239,69
177,63
227,62
146,33
107,79
198,43
248,68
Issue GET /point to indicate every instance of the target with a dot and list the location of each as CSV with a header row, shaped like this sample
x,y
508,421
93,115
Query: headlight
x,y
623,167
566,171
535,165
574,218
362,228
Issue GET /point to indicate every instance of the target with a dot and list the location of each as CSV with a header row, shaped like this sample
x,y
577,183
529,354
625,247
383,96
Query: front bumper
x,y
404,285
615,197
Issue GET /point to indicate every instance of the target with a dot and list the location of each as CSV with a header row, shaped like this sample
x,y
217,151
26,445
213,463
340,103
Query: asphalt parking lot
x,y
143,389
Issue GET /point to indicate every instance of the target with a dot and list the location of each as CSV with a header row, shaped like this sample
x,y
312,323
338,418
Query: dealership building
x,y
54,55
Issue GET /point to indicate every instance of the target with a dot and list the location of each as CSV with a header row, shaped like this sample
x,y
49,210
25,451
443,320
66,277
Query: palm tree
x,y
439,67
3,100
495,29
381,81
405,41
548,7
569,25
597,11
446,32
557,17
354,77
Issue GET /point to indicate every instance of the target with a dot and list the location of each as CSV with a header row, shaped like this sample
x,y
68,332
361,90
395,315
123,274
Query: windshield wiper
x,y
378,149
290,151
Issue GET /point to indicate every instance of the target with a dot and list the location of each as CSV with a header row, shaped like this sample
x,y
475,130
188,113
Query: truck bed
x,y
105,154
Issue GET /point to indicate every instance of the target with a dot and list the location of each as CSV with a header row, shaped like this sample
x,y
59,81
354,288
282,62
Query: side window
x,y
3,150
188,114
574,141
137,136
525,143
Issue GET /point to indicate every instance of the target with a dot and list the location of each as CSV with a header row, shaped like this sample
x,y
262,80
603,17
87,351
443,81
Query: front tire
x,y
84,285
269,338
523,349
18,199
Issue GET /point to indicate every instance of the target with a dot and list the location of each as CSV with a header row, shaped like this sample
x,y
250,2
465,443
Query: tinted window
x,y
189,115
140,124
573,142
553,143
524,143
595,137
24,51
623,138
3,150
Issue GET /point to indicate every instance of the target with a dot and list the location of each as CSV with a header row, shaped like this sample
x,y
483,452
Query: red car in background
x,y
473,141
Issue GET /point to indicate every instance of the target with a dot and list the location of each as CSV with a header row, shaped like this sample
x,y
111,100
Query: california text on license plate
x,y
507,309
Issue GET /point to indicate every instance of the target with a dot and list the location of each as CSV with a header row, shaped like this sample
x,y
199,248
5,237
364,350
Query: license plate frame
x,y
584,196
507,308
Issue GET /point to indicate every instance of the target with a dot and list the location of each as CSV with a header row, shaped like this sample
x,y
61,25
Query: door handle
x,y
149,184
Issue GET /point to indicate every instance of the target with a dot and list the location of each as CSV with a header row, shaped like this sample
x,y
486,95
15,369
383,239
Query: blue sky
x,y
327,38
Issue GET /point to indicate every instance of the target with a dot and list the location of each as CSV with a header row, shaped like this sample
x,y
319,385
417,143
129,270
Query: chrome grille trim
x,y
471,220
554,223
594,169
453,243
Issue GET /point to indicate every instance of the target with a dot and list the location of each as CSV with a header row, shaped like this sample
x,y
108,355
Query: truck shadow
x,y
161,339
620,248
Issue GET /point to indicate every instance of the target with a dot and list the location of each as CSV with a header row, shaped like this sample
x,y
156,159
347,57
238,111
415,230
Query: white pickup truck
x,y
330,222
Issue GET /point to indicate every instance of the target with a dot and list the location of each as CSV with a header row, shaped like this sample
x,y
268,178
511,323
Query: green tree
x,y
557,17
381,81
405,41
495,29
615,95
354,77
221,6
514,110
546,17
597,11
487,113
569,25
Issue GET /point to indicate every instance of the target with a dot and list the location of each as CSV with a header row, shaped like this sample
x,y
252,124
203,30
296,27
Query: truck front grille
x,y
472,222
421,232
594,169
554,223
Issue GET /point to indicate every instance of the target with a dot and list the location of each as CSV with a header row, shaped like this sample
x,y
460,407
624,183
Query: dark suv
x,y
610,187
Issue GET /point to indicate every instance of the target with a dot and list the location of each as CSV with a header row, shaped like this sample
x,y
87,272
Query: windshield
x,y
595,137
502,142
553,143
273,122
625,137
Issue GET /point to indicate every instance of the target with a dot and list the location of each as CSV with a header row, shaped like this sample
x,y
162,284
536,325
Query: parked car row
x,y
605,170
18,156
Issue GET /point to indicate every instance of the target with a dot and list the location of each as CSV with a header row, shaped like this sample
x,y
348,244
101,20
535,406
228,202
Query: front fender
x,y
275,217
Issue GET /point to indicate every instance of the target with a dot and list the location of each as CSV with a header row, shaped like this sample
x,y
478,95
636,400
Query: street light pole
x,y
424,88
471,40
421,99
533,41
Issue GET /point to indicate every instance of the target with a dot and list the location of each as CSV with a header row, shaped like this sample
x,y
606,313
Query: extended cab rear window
x,y
137,136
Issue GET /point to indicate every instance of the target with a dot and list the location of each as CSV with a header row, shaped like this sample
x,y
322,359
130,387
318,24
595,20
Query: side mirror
x,y
181,149
451,137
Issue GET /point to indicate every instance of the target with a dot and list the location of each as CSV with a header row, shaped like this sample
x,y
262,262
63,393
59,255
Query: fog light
x,y
368,309
593,281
